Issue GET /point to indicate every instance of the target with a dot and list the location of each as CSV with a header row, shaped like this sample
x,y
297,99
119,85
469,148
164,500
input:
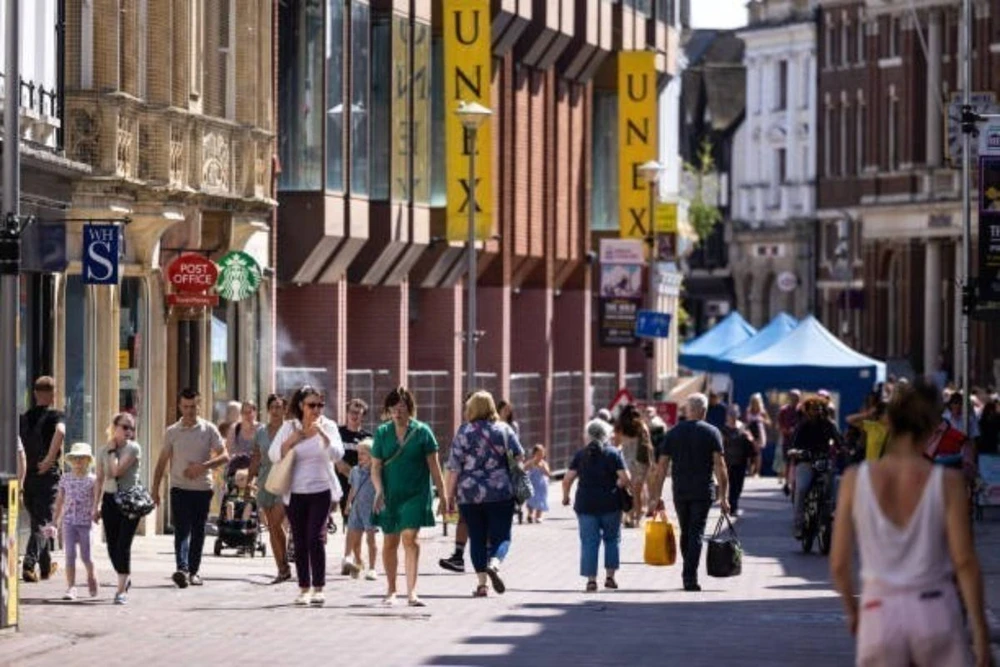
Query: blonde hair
x,y
480,406
365,445
756,403
116,421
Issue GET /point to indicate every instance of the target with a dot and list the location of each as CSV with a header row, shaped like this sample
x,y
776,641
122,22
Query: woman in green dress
x,y
404,461
271,505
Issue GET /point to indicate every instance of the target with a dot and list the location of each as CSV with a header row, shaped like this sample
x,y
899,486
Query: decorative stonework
x,y
125,163
178,156
260,171
85,137
215,170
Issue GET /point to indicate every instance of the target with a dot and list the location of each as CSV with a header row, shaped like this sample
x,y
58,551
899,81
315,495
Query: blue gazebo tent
x,y
809,358
703,352
776,329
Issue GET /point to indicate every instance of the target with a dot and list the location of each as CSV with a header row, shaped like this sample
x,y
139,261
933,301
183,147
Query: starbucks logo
x,y
239,276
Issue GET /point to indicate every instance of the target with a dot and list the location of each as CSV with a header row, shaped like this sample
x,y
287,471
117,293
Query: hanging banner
x,y
101,254
637,139
467,78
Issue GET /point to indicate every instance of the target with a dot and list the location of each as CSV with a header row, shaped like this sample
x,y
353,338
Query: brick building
x,y
170,104
886,188
372,293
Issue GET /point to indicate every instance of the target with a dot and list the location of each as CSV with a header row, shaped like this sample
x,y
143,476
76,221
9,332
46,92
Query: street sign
x,y
666,218
192,273
101,254
622,251
982,103
621,399
787,281
651,324
239,276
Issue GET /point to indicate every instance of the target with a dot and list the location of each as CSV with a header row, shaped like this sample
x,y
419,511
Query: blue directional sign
x,y
651,324
101,254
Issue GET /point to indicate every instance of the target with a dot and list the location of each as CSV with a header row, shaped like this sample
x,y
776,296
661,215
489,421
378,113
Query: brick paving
x,y
781,611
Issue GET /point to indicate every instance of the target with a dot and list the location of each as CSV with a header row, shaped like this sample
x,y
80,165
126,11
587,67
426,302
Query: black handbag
x,y
725,554
625,498
135,502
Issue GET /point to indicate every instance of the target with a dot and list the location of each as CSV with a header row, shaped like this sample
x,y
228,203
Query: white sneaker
x,y
345,566
70,593
304,598
371,575
352,568
318,599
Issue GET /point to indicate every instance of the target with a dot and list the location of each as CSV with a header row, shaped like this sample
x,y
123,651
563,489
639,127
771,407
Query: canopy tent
x,y
703,352
776,329
809,358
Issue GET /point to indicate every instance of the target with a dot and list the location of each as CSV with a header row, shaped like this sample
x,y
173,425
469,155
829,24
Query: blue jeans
x,y
190,510
804,476
489,530
595,528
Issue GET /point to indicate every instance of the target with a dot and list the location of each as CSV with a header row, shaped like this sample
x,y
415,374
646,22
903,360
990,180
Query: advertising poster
x,y
621,280
618,321
989,229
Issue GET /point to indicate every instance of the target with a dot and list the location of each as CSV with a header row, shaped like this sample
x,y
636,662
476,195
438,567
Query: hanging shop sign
x,y
468,77
101,254
191,276
239,276
637,136
989,229
620,295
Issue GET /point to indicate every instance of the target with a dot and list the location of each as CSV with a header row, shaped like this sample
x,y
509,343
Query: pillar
x,y
934,93
933,302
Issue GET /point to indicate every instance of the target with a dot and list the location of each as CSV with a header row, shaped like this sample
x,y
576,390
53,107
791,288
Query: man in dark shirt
x,y
42,430
351,433
717,411
818,436
694,449
739,451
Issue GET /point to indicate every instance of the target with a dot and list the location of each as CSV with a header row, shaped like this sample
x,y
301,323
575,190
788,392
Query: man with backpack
x,y
42,431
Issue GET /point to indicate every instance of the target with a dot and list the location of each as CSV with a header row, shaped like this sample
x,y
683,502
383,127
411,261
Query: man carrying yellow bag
x,y
660,547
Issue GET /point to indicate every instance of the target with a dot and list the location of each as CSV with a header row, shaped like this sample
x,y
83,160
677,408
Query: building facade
x,y
372,292
170,105
774,178
888,165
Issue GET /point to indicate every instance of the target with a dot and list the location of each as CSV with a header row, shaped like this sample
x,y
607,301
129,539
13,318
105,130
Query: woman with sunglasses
x,y
118,470
314,487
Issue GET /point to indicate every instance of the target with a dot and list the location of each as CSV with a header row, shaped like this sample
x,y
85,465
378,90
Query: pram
x,y
239,521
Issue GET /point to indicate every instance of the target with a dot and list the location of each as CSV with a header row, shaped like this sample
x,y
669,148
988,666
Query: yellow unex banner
x,y
468,75
636,139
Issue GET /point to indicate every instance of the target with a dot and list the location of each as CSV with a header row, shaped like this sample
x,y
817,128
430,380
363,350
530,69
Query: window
x,y
422,113
334,95
300,64
828,47
219,36
383,92
895,36
438,181
360,115
79,374
860,35
845,41
604,190
892,144
782,166
844,120
86,44
142,28
827,131
131,352
196,55
860,123
782,85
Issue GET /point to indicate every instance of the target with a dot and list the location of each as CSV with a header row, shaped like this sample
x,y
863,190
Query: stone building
x,y
771,249
170,104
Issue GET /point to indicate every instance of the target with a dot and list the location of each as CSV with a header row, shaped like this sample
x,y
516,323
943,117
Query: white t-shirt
x,y
313,469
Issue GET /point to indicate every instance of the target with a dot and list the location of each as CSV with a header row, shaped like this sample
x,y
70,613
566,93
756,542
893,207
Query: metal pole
x,y
470,251
11,254
966,207
652,381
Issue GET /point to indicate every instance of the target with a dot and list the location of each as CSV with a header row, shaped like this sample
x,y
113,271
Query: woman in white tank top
x,y
910,522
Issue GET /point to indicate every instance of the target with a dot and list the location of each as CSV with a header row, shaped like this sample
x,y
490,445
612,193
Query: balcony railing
x,y
40,109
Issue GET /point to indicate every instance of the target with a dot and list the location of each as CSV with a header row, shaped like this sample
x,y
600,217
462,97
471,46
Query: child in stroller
x,y
239,525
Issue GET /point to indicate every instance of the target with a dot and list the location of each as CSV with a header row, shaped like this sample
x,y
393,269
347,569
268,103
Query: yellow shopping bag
x,y
661,544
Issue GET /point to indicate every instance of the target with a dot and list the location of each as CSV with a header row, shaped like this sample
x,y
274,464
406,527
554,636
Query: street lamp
x,y
651,171
472,115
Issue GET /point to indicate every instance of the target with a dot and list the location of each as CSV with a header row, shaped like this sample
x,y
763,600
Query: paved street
x,y
780,612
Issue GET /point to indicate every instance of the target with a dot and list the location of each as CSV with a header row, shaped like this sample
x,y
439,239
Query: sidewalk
x,y
781,611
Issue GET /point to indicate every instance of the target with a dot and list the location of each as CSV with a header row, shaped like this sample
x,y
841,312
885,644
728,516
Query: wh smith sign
x,y
101,254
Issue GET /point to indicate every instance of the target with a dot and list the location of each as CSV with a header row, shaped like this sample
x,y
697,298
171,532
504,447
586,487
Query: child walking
x,y
360,503
74,512
539,475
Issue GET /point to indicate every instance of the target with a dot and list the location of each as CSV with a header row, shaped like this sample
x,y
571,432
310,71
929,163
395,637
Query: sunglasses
x,y
126,427
315,405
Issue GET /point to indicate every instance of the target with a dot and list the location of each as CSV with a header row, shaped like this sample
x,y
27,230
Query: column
x,y
934,92
957,320
932,305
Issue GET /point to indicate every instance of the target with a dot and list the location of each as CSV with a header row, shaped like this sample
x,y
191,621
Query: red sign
x,y
193,299
621,399
192,274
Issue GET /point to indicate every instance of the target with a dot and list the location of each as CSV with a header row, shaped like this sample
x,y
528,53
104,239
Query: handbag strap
x,y
399,451
718,526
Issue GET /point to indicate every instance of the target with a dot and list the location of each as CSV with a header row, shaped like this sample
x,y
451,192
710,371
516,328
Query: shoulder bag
x,y
134,502
519,482
725,553
279,479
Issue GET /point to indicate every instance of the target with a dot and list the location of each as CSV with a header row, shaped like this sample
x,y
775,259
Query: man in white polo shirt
x,y
192,447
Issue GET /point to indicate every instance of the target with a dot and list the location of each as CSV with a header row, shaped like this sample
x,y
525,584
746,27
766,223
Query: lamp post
x,y
650,171
472,115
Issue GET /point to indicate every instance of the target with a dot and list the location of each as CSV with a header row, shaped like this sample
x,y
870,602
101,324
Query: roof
x,y
810,344
703,352
776,329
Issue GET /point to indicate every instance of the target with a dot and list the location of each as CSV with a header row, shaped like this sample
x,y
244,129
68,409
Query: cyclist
x,y
816,437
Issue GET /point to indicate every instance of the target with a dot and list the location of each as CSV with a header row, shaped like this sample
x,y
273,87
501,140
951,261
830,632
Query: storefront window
x,y
383,92
224,388
422,111
360,104
604,193
438,181
335,95
300,64
131,352
79,404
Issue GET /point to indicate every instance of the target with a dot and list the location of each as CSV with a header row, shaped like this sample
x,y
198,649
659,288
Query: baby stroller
x,y
239,521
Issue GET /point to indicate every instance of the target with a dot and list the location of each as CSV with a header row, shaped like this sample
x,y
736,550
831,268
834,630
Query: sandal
x,y
416,602
591,586
610,583
481,591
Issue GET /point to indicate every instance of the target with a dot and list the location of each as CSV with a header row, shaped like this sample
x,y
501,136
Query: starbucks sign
x,y
239,276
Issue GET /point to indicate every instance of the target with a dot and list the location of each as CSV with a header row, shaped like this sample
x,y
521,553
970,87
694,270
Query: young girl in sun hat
x,y
74,513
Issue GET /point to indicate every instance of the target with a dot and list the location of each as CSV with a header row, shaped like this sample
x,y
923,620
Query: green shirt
x,y
405,478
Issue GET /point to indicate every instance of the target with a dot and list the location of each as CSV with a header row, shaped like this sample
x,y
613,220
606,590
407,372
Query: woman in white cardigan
x,y
314,488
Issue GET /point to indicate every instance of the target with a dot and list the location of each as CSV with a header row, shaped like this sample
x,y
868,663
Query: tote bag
x,y
660,546
725,553
279,480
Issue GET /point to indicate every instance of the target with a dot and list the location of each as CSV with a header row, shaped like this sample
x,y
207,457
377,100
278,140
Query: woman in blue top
x,y
601,470
479,480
